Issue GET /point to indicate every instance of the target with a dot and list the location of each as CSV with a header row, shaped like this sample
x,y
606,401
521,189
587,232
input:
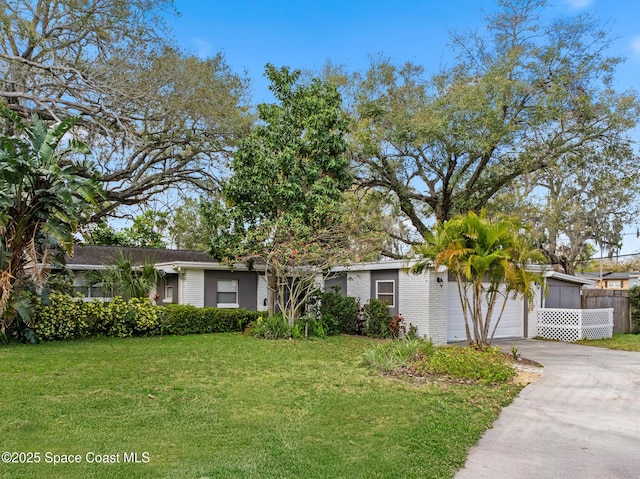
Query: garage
x,y
512,324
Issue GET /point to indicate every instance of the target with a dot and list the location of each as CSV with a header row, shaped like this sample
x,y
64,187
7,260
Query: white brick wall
x,y
191,287
263,293
437,294
359,286
413,300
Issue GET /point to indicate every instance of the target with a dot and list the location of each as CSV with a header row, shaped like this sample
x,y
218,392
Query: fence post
x,y
611,320
580,332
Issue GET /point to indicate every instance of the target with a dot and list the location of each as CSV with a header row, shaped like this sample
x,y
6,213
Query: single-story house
x,y
613,280
190,277
429,300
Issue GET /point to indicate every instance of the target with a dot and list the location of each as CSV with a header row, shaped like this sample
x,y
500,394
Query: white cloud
x,y
577,4
635,44
203,47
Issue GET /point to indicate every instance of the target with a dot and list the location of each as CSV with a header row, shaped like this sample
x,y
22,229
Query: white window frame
x,y
81,282
237,292
392,294
614,283
168,293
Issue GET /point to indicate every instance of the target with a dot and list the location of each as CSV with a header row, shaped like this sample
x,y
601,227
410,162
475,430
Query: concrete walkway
x,y
580,419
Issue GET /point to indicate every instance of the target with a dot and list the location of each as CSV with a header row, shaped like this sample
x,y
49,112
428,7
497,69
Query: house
x,y
429,301
613,280
189,277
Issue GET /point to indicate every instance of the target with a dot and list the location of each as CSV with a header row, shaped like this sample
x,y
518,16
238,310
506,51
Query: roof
x,y
568,278
611,275
91,256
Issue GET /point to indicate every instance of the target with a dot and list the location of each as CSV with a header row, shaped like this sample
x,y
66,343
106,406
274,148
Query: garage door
x,y
511,324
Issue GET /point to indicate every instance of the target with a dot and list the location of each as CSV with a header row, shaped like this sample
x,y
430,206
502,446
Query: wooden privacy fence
x,y
610,298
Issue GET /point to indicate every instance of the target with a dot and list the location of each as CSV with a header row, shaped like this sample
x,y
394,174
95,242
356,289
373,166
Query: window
x,y
386,291
614,284
168,294
227,293
89,292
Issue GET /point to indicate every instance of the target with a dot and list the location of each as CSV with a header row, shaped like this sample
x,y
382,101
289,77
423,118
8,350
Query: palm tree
x,y
123,278
489,260
44,196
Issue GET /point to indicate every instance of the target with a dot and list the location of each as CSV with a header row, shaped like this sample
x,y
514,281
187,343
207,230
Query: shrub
x,y
64,318
186,319
422,358
486,365
397,329
273,327
378,320
393,355
338,313
309,326
71,318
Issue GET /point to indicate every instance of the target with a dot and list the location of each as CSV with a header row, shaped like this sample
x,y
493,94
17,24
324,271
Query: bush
x,y
393,355
64,318
273,327
422,358
338,313
71,318
486,365
186,319
379,319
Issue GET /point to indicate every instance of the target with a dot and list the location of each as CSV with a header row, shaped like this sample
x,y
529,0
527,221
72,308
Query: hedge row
x,y
69,318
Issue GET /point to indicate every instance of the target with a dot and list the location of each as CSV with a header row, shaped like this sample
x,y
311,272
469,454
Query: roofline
x,y
207,265
568,278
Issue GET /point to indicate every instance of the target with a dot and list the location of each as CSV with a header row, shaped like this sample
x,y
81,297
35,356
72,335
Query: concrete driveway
x,y
580,419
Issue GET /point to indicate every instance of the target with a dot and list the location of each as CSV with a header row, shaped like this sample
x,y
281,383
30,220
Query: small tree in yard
x,y
44,196
282,204
489,260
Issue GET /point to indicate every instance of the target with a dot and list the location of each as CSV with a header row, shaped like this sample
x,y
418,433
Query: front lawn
x,y
623,342
231,406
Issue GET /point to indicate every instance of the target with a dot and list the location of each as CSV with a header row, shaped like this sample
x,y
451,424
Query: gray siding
x,y
386,275
563,295
168,280
247,287
338,281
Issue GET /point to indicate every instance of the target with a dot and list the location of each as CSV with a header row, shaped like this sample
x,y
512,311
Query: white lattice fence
x,y
574,324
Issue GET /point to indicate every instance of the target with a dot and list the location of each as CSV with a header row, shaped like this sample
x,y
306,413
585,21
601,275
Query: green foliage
x,y
422,358
634,302
122,278
378,319
45,194
338,313
489,259
66,317
282,203
390,356
146,231
186,319
310,326
156,116
276,408
274,327
412,333
486,365
524,94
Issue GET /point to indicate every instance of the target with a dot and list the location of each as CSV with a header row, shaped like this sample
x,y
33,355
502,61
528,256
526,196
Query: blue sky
x,y
305,34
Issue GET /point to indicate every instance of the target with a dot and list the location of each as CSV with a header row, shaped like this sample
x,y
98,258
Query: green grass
x,y
232,406
623,342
